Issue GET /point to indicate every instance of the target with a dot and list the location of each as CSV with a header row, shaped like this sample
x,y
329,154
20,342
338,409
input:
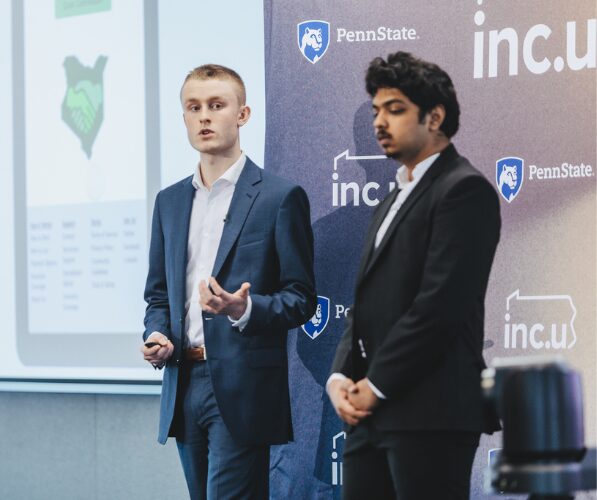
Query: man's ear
x,y
436,117
244,115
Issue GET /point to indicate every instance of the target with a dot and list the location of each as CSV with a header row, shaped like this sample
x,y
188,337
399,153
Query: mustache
x,y
382,134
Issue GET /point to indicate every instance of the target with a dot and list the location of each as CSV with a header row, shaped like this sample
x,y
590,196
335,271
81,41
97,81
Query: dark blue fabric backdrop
x,y
319,134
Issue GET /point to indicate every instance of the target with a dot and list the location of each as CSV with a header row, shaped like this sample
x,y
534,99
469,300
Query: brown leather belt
x,y
195,354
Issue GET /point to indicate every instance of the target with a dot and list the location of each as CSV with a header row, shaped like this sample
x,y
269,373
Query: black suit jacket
x,y
419,302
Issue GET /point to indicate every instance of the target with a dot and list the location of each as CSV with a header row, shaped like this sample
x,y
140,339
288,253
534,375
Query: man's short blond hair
x,y
218,72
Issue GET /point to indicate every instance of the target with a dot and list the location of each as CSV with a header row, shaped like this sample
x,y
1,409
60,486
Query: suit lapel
x,y
438,167
245,194
377,220
181,236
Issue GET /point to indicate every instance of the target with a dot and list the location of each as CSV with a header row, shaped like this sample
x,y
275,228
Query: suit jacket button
x,y
181,319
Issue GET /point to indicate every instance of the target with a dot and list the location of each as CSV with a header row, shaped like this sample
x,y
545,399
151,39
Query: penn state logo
x,y
313,39
509,174
316,325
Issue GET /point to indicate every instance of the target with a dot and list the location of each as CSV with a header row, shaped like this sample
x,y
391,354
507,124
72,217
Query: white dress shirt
x,y
208,216
406,187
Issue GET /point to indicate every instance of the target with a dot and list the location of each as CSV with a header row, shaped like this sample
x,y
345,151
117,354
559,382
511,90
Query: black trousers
x,y
418,465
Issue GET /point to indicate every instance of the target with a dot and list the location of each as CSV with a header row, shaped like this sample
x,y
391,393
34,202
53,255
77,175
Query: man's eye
x,y
216,105
397,111
194,108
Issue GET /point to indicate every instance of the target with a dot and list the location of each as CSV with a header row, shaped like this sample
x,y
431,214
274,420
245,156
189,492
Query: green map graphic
x,y
83,104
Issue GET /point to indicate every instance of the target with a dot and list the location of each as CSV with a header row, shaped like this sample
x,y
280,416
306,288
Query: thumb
x,y
243,291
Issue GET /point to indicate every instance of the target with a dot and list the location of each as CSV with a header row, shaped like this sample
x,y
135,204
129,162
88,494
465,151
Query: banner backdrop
x,y
525,78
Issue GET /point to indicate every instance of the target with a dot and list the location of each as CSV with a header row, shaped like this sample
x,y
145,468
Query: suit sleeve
x,y
464,236
295,300
157,313
343,357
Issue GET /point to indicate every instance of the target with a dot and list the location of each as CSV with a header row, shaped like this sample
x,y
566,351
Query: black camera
x,y
539,402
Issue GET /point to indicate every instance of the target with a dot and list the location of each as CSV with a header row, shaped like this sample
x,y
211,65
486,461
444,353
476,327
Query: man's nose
x,y
379,122
204,116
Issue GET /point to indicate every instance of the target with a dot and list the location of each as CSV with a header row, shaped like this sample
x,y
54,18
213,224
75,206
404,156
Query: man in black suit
x,y
406,375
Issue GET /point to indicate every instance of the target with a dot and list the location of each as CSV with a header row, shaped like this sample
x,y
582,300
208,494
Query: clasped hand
x,y
215,300
352,401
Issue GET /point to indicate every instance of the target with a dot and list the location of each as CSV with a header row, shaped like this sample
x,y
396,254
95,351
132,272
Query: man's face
x,y
213,114
398,129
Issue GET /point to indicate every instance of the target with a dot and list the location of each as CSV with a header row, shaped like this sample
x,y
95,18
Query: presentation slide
x,y
94,131
86,199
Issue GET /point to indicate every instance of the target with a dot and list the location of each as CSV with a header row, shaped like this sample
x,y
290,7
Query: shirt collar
x,y
230,176
418,171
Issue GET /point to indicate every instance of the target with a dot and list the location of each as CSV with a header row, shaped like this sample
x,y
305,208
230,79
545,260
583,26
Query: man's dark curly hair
x,y
424,83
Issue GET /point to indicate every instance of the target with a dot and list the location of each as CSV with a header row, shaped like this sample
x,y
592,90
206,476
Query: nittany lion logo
x,y
313,39
316,325
509,174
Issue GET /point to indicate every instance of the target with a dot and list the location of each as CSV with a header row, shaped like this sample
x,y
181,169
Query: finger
x,y
338,388
243,291
215,286
346,406
361,410
350,409
215,302
212,302
163,354
354,400
207,309
360,414
345,384
154,337
349,419
204,291
353,411
148,351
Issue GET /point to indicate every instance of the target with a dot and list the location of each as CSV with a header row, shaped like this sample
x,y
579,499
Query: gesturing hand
x,y
215,300
338,393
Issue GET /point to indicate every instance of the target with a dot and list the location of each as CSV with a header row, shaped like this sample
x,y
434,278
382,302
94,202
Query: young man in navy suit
x,y
230,272
406,376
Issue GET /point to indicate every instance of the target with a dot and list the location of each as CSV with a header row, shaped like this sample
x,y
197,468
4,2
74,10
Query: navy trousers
x,y
215,467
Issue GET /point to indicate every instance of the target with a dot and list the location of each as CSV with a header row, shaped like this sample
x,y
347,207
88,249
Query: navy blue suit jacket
x,y
267,241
